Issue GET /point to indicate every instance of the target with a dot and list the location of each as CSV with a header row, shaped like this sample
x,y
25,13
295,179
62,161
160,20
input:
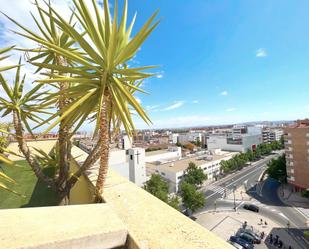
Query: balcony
x,y
288,142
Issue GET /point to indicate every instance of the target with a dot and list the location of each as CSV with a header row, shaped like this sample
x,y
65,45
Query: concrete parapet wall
x,y
94,226
152,223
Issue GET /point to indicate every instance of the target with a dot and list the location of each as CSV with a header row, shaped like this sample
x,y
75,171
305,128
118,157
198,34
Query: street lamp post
x,y
234,188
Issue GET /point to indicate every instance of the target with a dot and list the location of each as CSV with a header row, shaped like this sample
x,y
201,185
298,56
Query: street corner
x,y
229,223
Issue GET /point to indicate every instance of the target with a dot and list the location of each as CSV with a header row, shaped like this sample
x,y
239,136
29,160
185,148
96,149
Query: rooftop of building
x,y
182,164
300,124
158,152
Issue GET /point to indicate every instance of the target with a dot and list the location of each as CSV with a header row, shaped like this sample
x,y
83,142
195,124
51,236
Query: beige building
x,y
173,171
297,154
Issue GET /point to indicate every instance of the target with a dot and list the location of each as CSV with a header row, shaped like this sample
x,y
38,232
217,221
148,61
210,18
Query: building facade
x,y
271,135
297,154
233,142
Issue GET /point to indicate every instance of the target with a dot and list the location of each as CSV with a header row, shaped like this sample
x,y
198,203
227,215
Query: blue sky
x,y
220,61
240,60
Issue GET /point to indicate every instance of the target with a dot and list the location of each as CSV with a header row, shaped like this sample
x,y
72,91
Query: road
x,y
247,176
264,194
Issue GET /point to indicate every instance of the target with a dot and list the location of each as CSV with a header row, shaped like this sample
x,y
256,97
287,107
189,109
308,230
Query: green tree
x,y
276,169
3,143
158,187
4,178
191,198
174,202
87,62
194,175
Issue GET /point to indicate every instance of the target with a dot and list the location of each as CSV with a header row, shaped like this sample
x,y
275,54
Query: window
x,y
131,157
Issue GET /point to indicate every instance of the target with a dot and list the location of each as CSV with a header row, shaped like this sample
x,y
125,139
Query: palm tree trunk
x,y
26,152
64,140
104,137
90,160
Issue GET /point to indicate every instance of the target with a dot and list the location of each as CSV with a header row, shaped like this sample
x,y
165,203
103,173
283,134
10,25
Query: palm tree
x,y
105,82
98,80
50,32
24,107
4,130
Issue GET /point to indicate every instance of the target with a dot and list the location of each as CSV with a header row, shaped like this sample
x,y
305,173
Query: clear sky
x,y
220,61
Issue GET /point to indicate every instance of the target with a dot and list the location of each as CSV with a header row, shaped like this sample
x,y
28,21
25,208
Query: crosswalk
x,y
219,189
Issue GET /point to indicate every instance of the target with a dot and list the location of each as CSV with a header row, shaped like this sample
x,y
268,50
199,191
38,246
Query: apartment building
x,y
297,154
189,137
271,135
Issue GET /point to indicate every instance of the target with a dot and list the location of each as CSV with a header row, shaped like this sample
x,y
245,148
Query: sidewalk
x,y
225,224
240,195
294,199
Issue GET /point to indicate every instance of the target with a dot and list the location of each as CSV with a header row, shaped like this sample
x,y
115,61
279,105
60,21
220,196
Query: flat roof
x,y
157,152
182,164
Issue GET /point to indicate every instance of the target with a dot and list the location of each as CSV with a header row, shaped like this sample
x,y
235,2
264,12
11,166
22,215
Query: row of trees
x,y
84,60
192,199
241,160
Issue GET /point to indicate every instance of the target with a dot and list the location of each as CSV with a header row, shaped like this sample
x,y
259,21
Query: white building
x,y
173,138
233,142
172,153
174,171
137,168
189,137
271,135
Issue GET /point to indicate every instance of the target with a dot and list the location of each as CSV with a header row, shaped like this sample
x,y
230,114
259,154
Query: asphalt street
x,y
264,194
247,176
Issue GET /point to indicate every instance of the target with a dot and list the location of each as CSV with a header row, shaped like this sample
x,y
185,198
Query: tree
x,y
3,143
88,61
189,146
191,198
158,187
194,175
4,178
174,202
276,169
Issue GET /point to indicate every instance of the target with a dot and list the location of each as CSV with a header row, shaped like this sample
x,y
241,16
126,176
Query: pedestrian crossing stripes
x,y
220,190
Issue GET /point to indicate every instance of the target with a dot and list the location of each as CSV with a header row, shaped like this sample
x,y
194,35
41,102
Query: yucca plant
x,y
104,80
98,81
4,130
24,107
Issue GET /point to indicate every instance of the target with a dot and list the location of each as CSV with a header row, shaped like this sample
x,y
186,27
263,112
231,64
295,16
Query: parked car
x,y
253,234
251,207
246,237
241,242
250,235
236,245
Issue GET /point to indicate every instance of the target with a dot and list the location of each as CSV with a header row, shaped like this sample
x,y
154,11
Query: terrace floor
x,y
35,193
